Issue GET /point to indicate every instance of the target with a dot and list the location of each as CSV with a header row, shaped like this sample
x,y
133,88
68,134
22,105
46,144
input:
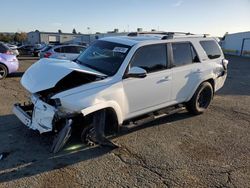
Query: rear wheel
x,y
3,71
201,99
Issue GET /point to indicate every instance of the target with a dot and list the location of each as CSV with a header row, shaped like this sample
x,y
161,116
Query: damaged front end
x,y
44,113
42,117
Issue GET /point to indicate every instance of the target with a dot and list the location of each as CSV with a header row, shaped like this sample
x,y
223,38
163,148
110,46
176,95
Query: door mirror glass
x,y
137,72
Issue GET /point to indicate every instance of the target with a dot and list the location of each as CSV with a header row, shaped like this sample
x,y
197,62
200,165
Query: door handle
x,y
166,78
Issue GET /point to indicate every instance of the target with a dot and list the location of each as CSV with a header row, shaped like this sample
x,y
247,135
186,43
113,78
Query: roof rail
x,y
168,35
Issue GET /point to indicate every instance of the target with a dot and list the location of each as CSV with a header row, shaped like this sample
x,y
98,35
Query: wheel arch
x,y
112,107
209,80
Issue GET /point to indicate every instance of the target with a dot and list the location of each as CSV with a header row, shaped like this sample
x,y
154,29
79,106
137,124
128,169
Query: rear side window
x,y
211,48
183,54
151,58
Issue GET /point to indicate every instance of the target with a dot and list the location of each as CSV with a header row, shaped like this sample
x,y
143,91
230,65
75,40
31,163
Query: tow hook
x,y
62,137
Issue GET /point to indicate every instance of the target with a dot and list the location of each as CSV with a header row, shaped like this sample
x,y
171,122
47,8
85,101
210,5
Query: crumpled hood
x,y
46,73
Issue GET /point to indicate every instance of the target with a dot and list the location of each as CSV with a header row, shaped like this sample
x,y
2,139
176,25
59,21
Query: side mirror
x,y
137,72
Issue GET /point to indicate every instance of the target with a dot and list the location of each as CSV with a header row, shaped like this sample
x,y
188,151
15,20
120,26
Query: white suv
x,y
66,52
130,77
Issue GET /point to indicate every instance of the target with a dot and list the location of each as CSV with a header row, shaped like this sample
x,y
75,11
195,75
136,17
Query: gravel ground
x,y
210,150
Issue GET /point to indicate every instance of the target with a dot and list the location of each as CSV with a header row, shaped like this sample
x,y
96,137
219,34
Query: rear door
x,y
186,70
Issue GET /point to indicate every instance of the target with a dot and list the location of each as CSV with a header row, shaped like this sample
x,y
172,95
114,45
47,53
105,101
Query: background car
x,y
44,50
8,64
38,48
69,52
5,49
13,48
26,49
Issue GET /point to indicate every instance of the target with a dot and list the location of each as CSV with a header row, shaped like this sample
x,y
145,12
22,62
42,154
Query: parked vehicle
x,y
131,77
13,48
37,50
67,52
8,64
44,50
26,49
5,49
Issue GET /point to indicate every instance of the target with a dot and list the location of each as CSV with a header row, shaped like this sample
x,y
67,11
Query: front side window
x,y
211,48
151,58
183,54
103,56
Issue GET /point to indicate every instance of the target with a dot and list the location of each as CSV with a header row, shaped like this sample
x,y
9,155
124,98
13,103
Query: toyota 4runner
x,y
130,77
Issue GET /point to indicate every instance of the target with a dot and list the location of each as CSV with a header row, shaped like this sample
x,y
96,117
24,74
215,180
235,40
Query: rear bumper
x,y
13,66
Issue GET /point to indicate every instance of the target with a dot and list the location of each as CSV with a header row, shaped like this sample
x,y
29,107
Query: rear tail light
x,y
9,52
47,55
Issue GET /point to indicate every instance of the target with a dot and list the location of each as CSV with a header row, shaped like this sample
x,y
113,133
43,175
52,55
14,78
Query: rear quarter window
x,y
211,48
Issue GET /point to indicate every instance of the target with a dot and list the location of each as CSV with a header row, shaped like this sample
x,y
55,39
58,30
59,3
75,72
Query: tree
x,y
20,37
6,37
74,31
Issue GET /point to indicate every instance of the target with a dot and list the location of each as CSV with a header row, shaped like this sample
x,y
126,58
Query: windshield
x,y
105,57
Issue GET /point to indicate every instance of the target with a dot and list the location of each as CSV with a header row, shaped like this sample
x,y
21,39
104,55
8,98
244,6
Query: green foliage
x,y
17,37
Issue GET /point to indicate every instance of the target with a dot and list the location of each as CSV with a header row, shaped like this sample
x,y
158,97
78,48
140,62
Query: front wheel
x,y
201,99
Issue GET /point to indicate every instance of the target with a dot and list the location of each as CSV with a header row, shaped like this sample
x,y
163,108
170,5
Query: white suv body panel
x,y
132,97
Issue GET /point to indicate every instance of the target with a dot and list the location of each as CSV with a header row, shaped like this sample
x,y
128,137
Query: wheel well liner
x,y
112,124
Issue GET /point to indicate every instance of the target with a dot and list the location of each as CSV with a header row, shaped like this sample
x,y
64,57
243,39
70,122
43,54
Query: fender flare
x,y
104,105
195,89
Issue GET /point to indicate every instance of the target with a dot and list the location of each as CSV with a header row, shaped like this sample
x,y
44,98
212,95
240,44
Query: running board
x,y
153,116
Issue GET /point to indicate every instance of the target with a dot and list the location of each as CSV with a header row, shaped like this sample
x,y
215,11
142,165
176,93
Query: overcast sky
x,y
197,16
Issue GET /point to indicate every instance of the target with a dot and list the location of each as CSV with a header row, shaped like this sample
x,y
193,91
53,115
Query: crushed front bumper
x,y
21,113
37,116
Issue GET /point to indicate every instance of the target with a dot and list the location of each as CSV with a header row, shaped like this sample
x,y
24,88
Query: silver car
x,y
67,52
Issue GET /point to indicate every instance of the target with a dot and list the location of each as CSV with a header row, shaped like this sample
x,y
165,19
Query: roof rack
x,y
168,35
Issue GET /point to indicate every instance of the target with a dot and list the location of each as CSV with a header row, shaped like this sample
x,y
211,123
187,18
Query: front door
x,y
146,94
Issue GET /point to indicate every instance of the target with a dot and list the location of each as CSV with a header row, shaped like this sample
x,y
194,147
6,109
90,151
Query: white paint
x,y
127,97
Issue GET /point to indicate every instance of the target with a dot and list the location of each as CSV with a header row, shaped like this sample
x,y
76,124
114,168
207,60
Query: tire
x,y
3,71
201,99
87,132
